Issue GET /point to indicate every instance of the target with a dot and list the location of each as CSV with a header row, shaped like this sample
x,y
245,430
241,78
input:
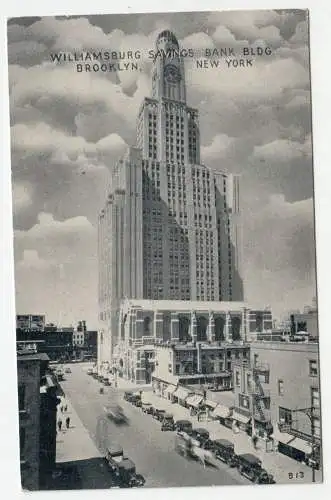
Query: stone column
x,y
193,331
211,328
228,332
174,327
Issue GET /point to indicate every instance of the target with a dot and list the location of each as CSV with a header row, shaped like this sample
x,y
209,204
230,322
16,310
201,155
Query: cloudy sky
x,y
67,128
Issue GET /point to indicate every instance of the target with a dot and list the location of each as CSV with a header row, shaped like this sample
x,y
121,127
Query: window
x,y
315,397
313,370
21,397
316,427
249,381
237,378
243,401
280,387
285,416
22,443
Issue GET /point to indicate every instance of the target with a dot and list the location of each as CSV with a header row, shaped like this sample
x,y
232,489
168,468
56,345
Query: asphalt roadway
x,y
152,450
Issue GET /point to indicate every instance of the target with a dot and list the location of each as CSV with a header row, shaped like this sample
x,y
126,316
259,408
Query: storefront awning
x,y
210,404
221,411
181,393
194,400
300,444
240,418
282,437
170,389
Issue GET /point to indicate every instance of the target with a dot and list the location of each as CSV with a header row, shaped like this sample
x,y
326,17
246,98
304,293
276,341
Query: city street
x,y
142,440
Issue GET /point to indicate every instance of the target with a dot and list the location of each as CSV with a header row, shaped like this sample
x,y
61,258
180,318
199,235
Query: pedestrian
x,y
66,408
61,409
68,422
59,424
198,416
254,440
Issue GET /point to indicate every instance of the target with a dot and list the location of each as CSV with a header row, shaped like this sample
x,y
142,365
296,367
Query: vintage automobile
x,y
202,436
114,456
115,413
251,467
184,426
224,451
168,423
67,370
128,396
89,371
60,375
184,443
158,414
127,476
136,400
146,407
106,381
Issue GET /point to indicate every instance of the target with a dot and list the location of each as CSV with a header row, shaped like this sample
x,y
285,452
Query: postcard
x,y
164,235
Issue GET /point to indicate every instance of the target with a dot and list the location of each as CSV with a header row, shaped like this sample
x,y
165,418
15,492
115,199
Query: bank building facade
x,y
169,236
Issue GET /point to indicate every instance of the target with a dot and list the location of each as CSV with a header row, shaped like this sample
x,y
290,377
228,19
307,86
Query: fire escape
x,y
261,396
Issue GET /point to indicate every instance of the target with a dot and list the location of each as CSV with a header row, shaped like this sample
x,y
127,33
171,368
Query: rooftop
x,y
182,305
38,356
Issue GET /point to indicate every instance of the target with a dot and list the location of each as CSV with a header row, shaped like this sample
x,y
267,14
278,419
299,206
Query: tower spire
x,y
168,78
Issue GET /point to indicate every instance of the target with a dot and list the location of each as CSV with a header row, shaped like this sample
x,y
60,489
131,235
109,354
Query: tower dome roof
x,y
167,35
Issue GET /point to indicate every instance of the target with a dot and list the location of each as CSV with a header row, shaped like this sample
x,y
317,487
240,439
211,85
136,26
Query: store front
x,y
180,395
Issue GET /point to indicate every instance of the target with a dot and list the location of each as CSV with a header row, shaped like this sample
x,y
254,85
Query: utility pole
x,y
309,412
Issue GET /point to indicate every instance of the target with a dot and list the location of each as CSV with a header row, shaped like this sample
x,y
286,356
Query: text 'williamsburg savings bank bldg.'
x,y
169,236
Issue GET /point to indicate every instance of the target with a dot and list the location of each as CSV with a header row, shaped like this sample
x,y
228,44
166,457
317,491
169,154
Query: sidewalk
x,y
127,385
276,463
79,463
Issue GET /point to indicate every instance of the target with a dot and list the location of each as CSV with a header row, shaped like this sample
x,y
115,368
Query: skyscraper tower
x,y
171,226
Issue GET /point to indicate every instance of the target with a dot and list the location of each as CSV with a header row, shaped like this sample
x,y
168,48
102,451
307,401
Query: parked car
x,y
224,451
89,371
136,400
159,414
128,396
146,407
184,426
202,436
168,423
114,456
127,476
67,370
251,467
106,381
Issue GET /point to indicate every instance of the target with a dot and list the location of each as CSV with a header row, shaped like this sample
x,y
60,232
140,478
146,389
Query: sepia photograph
x,y
164,245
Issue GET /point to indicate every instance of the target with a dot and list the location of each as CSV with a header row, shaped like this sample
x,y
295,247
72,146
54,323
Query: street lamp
x,y
309,412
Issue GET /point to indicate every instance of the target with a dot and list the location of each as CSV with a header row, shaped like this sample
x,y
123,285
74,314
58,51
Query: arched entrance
x,y
202,324
147,325
235,327
184,327
219,328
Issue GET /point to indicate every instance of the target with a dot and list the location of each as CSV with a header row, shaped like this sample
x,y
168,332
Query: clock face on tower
x,y
172,73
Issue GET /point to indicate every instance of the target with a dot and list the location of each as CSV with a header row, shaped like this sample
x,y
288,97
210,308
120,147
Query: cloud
x,y
222,146
283,150
32,262
57,265
47,230
301,34
43,138
22,196
265,81
281,248
69,128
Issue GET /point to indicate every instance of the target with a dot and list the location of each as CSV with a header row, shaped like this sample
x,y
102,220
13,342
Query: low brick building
x,y
279,387
37,402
